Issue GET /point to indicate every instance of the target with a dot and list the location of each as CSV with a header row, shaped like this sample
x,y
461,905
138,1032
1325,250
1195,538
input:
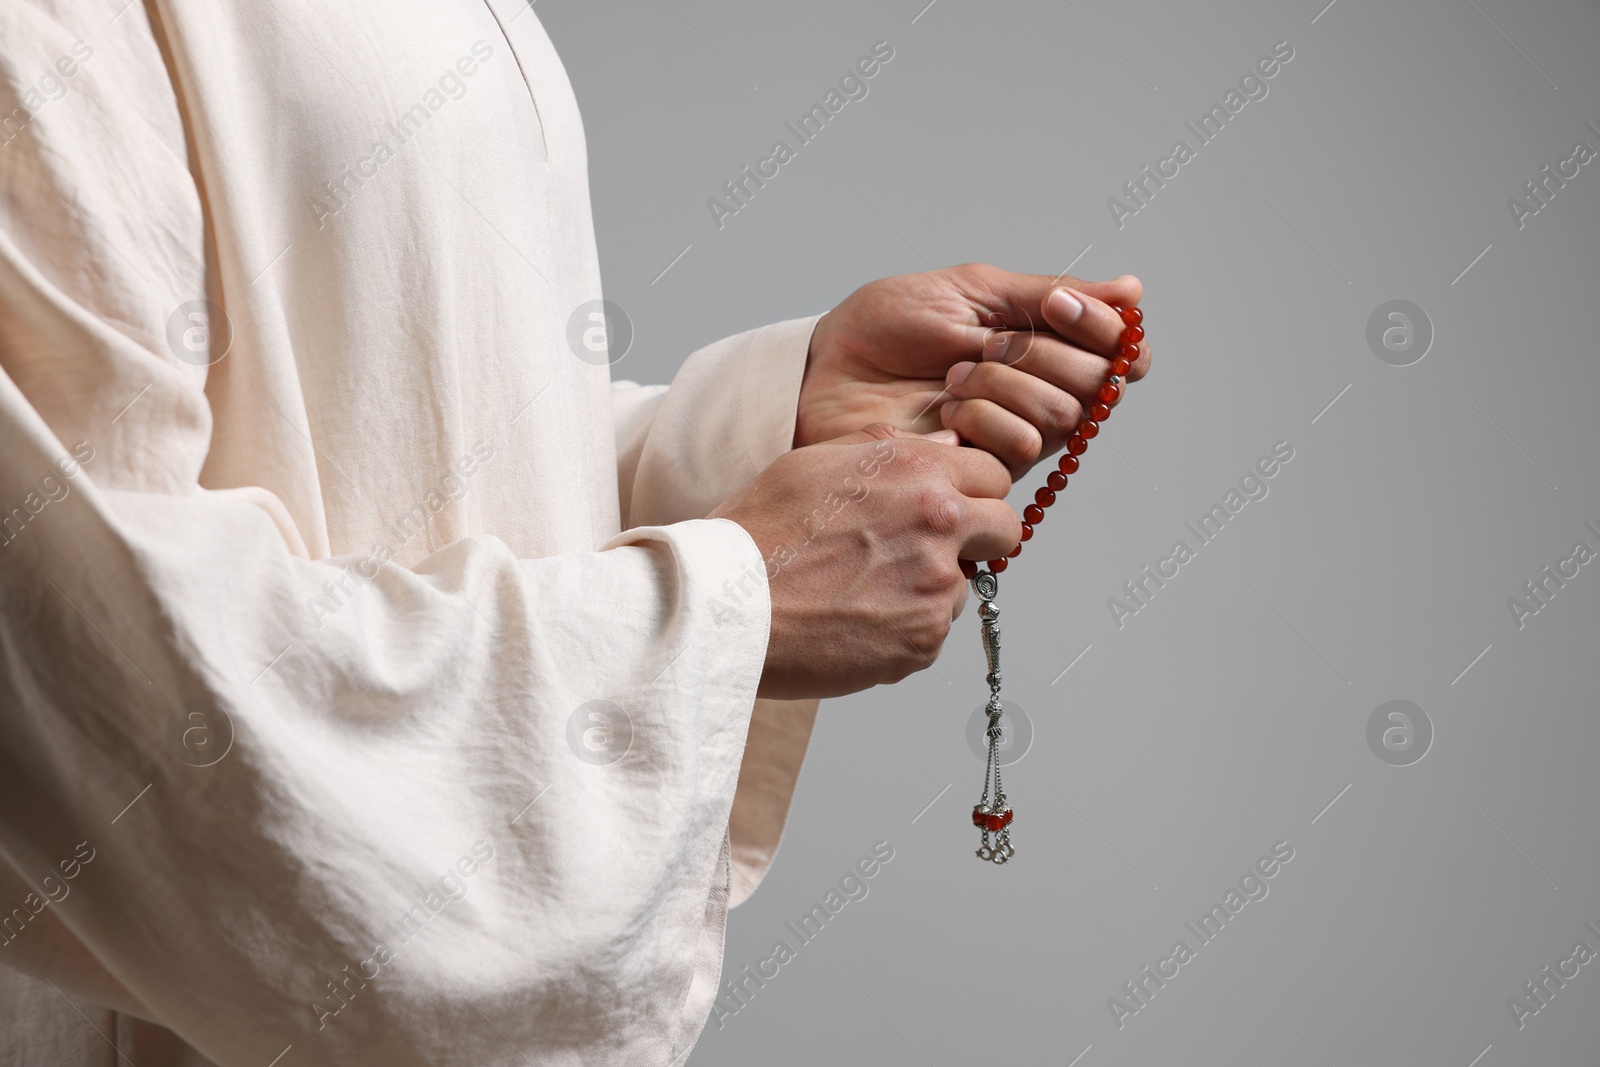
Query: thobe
x,y
372,687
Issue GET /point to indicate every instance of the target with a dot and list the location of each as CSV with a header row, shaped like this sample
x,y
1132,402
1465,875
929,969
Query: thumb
x,y
1019,298
1125,291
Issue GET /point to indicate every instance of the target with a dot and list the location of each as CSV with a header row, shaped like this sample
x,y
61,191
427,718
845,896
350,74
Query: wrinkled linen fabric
x,y
372,687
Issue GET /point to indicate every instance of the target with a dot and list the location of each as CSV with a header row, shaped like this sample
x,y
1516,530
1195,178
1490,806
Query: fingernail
x,y
959,372
946,409
944,437
995,345
1063,304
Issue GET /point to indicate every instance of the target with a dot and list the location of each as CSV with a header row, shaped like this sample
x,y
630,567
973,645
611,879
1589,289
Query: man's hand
x,y
920,351
864,533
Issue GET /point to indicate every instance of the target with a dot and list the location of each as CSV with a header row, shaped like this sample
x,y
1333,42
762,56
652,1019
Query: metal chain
x,y
988,586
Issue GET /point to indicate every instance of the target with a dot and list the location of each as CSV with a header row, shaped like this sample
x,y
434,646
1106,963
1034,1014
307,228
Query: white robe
x,y
298,645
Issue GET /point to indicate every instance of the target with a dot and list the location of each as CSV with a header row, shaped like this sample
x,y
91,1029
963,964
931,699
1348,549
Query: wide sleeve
x,y
472,810
681,451
730,412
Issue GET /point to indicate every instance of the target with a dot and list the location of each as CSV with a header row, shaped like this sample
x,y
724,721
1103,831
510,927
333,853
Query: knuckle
x,y
940,511
1025,446
1024,343
1021,348
909,663
930,638
929,572
1001,472
1063,410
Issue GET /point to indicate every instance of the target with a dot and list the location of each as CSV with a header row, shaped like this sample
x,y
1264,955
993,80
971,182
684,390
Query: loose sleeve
x,y
729,413
470,810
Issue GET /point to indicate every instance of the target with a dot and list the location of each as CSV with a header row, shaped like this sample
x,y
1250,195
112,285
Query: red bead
x,y
1033,514
1129,353
1027,531
1133,335
1131,316
1005,818
1119,366
997,565
1110,393
1044,496
1088,428
1100,412
1077,445
978,815
1069,464
1056,481
969,569
1015,552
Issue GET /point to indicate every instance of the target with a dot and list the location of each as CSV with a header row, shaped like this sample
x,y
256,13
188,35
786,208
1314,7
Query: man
x,y
381,683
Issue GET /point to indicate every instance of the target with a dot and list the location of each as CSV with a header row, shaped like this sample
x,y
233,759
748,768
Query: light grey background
x,y
1231,711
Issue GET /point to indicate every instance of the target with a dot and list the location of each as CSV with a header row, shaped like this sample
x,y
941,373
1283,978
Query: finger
x,y
1017,301
1125,291
1083,320
1012,439
993,337
973,472
1053,413
1067,366
992,529
1052,386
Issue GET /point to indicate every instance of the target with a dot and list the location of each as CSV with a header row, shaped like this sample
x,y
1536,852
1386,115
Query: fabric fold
x,y
397,731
